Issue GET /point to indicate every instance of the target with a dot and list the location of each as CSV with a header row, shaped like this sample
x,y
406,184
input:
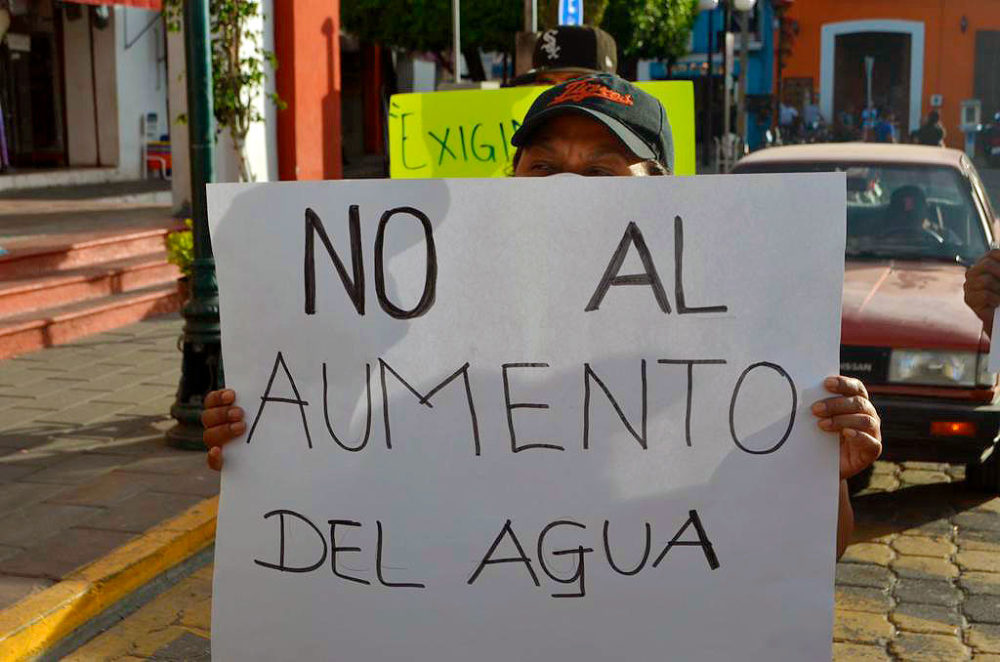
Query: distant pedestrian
x,y
932,132
885,129
788,115
869,118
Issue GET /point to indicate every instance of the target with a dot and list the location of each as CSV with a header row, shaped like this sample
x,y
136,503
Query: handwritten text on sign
x,y
535,420
466,133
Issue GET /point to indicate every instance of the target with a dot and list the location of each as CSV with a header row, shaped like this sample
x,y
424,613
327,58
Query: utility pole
x,y
456,30
201,367
706,156
727,101
741,104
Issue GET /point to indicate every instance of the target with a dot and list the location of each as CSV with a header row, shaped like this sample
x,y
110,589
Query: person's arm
x,y
853,417
982,288
845,519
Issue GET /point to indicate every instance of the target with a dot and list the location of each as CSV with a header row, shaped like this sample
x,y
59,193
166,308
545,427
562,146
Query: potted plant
x,y
180,252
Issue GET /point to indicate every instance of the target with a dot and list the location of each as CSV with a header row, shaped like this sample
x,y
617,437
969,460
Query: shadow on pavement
x,y
923,509
125,435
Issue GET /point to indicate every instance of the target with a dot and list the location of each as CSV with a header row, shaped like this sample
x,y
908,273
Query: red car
x,y
917,217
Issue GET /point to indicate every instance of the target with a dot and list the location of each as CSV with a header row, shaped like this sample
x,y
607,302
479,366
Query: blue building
x,y
709,30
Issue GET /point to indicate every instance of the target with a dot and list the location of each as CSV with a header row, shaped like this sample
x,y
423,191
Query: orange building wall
x,y
949,57
307,46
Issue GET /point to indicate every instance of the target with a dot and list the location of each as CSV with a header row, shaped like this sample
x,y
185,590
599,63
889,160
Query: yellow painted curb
x,y
39,621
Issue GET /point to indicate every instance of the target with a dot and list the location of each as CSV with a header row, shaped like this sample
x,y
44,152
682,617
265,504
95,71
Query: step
x,y
59,177
132,192
31,331
43,260
22,295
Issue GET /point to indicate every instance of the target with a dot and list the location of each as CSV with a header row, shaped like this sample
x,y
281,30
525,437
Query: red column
x,y
307,45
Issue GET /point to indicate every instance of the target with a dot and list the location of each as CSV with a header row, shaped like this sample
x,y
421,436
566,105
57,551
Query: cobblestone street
x,y
922,579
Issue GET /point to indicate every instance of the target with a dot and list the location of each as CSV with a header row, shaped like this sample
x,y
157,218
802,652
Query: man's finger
x,y
858,422
845,386
215,458
221,434
990,267
854,404
984,282
219,398
221,416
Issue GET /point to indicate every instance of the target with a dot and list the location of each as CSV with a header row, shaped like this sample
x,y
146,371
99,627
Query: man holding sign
x,y
629,466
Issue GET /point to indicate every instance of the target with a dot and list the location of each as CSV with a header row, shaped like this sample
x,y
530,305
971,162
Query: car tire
x,y
860,481
984,475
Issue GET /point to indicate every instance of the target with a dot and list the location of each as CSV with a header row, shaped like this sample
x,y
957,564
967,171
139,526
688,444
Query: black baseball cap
x,y
635,117
579,49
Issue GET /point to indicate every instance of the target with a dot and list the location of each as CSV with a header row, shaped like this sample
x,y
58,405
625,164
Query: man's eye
x,y
541,166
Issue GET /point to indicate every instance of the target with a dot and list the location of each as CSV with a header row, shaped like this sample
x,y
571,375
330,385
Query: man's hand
x,y
223,422
853,415
982,288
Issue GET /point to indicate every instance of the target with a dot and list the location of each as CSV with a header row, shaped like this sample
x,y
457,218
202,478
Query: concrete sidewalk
x,y
83,465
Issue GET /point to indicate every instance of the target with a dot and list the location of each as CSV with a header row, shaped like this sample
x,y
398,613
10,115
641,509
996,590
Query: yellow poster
x,y
466,133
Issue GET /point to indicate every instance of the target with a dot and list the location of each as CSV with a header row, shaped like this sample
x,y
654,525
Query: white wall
x,y
262,141
81,133
180,183
261,146
141,81
107,64
81,138
415,74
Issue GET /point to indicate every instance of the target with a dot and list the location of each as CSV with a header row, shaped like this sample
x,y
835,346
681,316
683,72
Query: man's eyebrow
x,y
604,151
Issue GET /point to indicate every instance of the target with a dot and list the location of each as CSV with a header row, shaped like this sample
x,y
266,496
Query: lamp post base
x,y
186,435
201,367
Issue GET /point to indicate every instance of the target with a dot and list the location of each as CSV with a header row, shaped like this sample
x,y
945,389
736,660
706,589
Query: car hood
x,y
903,303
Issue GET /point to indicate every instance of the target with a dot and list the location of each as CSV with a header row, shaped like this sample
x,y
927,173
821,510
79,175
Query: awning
x,y
140,4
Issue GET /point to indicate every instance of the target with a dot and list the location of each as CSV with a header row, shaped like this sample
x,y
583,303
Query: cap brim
x,y
625,135
531,77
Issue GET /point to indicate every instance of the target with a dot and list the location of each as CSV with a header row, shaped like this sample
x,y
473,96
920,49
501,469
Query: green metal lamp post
x,y
201,368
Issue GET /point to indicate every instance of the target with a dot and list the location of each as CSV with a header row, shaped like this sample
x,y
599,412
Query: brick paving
x,y
83,463
921,580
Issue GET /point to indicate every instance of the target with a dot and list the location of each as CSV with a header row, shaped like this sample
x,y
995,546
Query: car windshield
x,y
904,212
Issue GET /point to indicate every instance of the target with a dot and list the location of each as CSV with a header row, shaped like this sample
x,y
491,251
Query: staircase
x,y
67,275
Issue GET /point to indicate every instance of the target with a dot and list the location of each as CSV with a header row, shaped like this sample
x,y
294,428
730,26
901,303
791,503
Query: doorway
x,y
987,85
889,53
31,88
880,38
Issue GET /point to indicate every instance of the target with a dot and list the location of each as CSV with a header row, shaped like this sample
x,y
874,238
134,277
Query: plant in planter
x,y
180,252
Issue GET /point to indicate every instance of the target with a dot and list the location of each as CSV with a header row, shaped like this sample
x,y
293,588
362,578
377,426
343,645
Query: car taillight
x,y
953,429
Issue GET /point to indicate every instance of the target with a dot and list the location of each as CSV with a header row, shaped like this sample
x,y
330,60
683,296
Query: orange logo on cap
x,y
581,89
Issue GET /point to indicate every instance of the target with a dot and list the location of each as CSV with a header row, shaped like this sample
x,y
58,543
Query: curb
x,y
38,622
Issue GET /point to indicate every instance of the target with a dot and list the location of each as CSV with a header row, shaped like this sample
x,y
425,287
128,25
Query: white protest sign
x,y
529,419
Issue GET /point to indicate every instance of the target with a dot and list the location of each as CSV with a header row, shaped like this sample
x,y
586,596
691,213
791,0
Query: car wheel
x,y
860,481
984,475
